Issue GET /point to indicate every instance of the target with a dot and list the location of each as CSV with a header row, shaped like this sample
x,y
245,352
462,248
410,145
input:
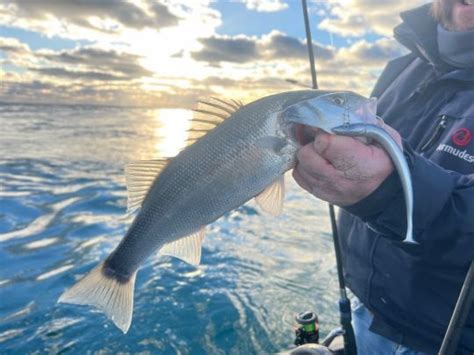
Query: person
x,y
405,294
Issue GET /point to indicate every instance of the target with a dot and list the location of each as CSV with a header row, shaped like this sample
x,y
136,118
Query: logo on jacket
x,y
462,137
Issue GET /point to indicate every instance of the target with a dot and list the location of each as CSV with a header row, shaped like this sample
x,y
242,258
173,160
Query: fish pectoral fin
x,y
271,199
187,248
275,144
139,177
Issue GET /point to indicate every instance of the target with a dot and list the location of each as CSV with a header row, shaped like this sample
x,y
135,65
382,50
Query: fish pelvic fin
x,y
107,292
271,199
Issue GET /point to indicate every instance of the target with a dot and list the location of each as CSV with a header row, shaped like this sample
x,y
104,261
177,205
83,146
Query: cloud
x,y
89,13
89,63
20,88
30,91
77,75
280,45
347,26
117,94
141,27
370,54
137,25
17,54
229,49
265,5
241,49
99,59
13,46
355,18
279,56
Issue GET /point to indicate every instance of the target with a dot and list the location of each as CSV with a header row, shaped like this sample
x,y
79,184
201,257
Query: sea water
x,y
62,205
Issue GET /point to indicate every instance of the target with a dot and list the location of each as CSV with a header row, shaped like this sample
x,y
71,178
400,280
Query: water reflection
x,y
40,223
171,131
20,313
40,243
53,272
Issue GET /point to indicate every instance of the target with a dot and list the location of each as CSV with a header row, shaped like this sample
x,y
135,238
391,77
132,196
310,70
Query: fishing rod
x,y
344,303
460,313
309,43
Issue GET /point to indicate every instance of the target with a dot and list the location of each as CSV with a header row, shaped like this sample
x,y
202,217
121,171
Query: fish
x,y
235,153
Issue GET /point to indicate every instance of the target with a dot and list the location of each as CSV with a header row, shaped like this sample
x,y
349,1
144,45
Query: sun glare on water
x,y
171,131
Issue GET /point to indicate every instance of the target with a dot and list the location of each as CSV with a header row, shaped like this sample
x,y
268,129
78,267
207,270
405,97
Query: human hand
x,y
342,170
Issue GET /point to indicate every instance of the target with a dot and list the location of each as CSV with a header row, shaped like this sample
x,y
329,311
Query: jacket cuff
x,y
376,202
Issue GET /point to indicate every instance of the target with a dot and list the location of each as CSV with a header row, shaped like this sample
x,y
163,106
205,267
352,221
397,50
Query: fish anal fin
x,y
186,248
139,177
271,199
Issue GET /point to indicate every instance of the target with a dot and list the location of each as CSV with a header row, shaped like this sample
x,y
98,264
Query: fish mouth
x,y
304,134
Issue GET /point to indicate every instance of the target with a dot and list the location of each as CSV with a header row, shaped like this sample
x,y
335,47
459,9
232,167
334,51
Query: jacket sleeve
x,y
443,215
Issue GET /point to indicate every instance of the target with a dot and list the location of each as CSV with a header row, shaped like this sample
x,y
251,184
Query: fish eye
x,y
338,100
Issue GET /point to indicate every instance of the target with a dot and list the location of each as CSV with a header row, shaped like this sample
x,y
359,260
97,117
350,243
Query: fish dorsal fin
x,y
139,177
219,108
271,199
187,248
209,114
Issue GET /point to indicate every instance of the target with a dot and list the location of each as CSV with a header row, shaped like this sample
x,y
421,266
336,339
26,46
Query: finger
x,y
300,180
306,180
320,188
310,161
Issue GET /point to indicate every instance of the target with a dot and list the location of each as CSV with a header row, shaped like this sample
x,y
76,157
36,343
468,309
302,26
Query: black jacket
x,y
412,290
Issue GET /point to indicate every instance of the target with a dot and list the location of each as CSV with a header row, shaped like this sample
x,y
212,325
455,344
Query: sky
x,y
170,53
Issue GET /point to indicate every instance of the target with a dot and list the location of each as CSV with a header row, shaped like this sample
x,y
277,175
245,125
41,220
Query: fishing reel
x,y
308,329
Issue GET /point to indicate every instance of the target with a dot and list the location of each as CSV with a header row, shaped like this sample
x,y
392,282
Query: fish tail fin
x,y
112,294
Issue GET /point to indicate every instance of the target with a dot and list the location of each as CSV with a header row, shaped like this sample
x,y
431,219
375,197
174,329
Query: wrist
x,y
375,201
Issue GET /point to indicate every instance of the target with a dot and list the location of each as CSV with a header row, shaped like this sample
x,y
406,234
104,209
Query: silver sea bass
x,y
244,155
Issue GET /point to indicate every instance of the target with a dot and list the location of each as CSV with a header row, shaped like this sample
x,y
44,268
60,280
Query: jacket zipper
x,y
440,128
